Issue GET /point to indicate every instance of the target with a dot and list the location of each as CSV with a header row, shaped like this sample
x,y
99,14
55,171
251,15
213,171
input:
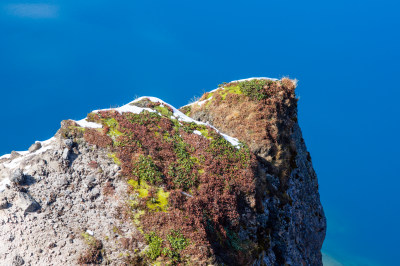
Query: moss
x,y
113,125
155,243
177,243
145,169
160,203
89,240
234,89
204,132
163,111
141,188
115,158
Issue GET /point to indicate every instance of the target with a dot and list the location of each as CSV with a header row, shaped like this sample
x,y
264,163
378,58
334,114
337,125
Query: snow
x,y
84,123
46,145
4,183
197,132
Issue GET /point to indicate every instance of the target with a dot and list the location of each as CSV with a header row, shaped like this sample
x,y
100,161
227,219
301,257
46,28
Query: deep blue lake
x,y
61,59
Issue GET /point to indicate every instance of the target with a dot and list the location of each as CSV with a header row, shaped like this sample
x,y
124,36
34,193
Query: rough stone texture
x,y
17,177
3,203
34,147
52,235
26,202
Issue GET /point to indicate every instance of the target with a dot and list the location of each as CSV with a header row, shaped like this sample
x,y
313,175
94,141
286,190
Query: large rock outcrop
x,y
263,114
144,184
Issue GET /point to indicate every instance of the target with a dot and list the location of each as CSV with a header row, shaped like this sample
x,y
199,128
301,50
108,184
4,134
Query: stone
x,y
68,143
90,181
3,203
34,147
65,154
26,202
17,261
14,155
17,177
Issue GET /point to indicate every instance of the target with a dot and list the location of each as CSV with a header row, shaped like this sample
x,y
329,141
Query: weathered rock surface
x,y
26,202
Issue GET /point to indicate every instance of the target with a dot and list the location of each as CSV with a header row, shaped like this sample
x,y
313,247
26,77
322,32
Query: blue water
x,y
61,59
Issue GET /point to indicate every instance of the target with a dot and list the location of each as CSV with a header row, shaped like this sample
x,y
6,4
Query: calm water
x,y
61,59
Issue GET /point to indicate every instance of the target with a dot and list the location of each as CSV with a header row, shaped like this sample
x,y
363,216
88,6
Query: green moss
x,y
160,203
89,240
141,188
177,243
113,132
155,243
204,132
115,158
146,170
164,111
255,88
234,89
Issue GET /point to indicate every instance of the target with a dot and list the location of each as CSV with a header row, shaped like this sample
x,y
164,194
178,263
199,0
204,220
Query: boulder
x,y
17,177
26,202
65,154
3,203
34,147
18,261
14,155
68,143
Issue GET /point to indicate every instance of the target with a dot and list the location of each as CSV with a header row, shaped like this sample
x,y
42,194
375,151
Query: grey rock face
x,y
298,229
34,147
17,177
27,203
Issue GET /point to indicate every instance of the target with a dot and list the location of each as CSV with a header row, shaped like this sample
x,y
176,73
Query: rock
x,y
26,202
65,154
68,143
3,203
17,261
95,193
17,177
34,147
62,181
90,181
14,155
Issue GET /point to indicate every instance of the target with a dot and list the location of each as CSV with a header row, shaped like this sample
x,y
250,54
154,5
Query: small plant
x,y
177,243
155,243
93,255
146,170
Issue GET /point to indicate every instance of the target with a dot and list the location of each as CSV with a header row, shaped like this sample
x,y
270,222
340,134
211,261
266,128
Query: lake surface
x,y
62,59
